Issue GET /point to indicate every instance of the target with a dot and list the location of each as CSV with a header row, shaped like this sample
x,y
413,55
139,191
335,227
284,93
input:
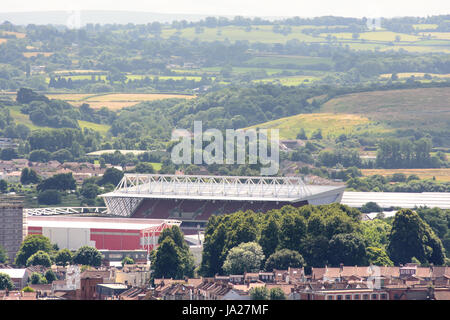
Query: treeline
x,y
412,183
322,235
404,153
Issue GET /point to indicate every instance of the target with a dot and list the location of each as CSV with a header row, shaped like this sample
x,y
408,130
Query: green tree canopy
x,y
378,257
283,259
277,294
259,293
348,249
31,245
246,257
6,282
40,258
89,256
63,257
412,237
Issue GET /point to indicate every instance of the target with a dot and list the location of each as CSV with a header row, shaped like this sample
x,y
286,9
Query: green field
x,y
377,39
289,81
102,128
332,125
279,60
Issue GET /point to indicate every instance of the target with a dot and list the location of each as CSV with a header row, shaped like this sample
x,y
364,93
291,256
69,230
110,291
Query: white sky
x,y
268,8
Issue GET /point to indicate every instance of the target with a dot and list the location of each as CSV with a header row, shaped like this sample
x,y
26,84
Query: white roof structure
x,y
96,222
406,200
134,187
14,273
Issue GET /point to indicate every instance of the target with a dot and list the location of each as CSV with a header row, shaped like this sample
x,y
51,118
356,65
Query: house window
x,y
339,297
329,297
356,297
348,297
383,296
365,297
374,297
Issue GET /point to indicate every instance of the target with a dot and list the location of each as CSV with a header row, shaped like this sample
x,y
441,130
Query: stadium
x,y
193,199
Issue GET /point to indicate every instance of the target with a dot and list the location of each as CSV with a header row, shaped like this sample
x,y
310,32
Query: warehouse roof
x,y
96,222
398,199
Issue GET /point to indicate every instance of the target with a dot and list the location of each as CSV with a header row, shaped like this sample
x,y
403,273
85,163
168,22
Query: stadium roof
x,y
291,189
398,199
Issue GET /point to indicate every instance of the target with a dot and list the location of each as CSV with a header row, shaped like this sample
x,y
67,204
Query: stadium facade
x,y
193,199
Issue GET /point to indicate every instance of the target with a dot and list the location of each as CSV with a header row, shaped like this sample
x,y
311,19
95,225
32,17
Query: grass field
x,y
278,60
405,75
332,125
289,81
380,39
442,174
385,36
102,128
35,54
114,101
422,108
424,26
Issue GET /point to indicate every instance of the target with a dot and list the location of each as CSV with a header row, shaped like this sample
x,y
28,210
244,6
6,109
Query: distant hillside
x,y
427,108
332,125
374,113
93,16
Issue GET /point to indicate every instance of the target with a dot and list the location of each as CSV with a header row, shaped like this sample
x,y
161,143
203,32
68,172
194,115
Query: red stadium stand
x,y
209,209
191,205
145,208
233,206
162,209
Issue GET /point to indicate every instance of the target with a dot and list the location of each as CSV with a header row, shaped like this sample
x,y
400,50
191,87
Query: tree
x,y
184,260
3,255
283,259
112,176
39,156
376,233
64,257
6,282
168,262
378,257
49,197
50,276
40,258
259,293
412,237
144,167
246,257
277,294
89,256
28,176
3,186
31,245
348,249
127,260
269,237
90,190
60,182
37,278
293,230
371,207
8,154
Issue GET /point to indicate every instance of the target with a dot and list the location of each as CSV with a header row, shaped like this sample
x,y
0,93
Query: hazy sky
x,y
302,8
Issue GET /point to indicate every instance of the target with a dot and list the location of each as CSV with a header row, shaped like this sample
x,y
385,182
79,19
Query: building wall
x,y
11,227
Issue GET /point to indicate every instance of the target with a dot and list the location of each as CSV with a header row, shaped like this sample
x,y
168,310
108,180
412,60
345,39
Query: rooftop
x,y
96,222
